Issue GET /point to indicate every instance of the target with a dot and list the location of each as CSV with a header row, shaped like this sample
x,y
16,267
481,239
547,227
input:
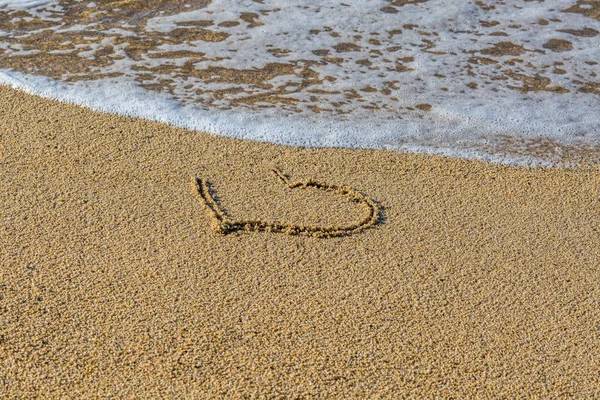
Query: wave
x,y
515,82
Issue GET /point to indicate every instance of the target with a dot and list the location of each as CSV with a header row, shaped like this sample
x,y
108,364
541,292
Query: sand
x,y
475,281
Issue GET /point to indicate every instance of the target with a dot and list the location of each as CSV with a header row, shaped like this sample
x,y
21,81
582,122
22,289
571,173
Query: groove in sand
x,y
224,224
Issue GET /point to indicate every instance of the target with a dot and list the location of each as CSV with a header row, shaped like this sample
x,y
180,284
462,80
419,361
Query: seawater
x,y
508,81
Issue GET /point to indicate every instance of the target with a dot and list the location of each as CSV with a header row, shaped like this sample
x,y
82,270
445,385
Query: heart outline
x,y
224,224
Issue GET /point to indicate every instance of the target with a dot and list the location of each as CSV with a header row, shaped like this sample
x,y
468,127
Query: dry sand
x,y
481,281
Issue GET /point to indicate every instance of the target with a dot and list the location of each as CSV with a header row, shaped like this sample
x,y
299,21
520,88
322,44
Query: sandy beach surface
x,y
478,280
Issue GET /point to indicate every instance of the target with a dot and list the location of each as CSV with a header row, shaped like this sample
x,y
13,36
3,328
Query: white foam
x,y
26,4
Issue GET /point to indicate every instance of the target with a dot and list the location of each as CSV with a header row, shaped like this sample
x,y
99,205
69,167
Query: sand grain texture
x,y
482,281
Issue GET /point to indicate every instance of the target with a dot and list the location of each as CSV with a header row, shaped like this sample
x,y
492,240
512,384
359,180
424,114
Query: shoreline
x,y
525,150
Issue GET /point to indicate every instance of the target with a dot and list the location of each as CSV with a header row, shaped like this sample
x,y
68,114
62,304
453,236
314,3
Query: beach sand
x,y
478,281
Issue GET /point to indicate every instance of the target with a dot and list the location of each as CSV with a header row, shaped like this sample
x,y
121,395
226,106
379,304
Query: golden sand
x,y
476,281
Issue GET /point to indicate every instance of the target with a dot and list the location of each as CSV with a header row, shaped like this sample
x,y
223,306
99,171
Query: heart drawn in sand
x,y
224,224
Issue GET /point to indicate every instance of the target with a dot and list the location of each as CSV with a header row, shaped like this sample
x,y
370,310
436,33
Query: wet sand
x,y
476,281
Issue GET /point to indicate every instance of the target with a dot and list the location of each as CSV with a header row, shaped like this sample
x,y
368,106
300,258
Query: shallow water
x,y
511,81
